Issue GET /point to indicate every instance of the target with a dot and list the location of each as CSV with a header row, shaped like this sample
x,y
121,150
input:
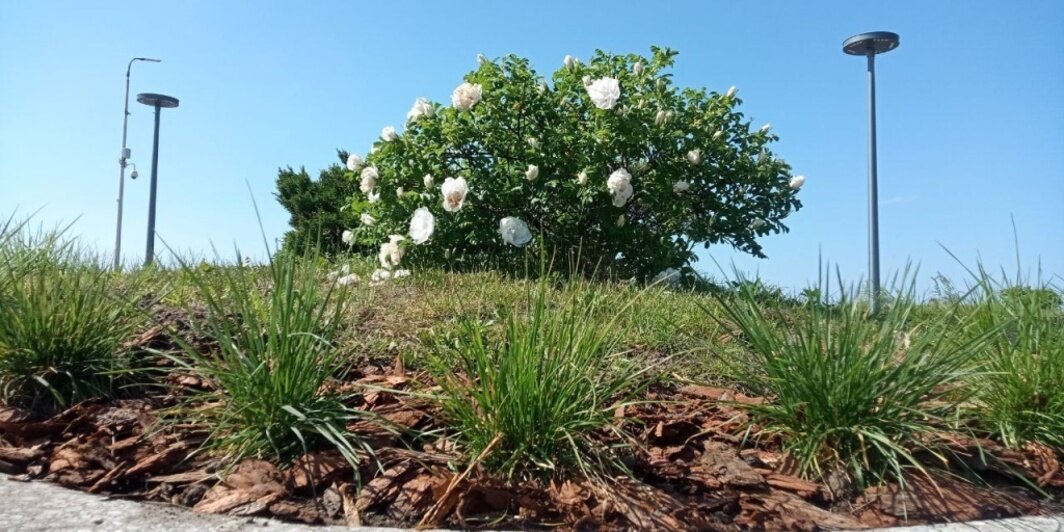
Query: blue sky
x,y
971,110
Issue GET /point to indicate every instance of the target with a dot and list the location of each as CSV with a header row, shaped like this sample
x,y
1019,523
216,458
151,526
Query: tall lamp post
x,y
158,101
869,45
122,162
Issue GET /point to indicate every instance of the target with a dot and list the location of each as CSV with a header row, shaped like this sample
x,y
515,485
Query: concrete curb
x,y
46,506
1053,523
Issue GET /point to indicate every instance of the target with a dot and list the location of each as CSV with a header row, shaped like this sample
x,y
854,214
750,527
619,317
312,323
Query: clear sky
x,y
971,109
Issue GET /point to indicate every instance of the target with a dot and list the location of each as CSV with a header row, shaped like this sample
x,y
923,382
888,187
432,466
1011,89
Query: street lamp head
x,y
157,100
150,59
871,43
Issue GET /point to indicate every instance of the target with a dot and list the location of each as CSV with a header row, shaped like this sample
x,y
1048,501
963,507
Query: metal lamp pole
x,y
869,45
158,101
122,163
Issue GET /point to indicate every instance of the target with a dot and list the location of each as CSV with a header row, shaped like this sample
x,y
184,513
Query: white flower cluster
x,y
604,92
422,225
466,95
355,162
391,253
514,231
422,107
620,186
369,176
454,192
343,276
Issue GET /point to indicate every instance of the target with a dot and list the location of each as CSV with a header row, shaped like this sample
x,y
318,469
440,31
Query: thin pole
x,y
873,184
149,253
122,173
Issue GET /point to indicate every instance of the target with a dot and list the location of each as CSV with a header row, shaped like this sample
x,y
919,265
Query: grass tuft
x,y
1020,393
275,327
62,322
848,393
532,395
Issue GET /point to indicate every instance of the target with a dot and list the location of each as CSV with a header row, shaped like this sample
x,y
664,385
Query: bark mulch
x,y
696,468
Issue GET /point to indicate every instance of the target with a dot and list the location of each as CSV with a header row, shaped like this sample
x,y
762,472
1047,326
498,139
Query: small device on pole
x,y
122,159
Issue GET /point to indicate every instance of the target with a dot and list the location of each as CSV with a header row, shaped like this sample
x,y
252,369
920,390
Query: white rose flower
x,y
797,182
466,95
680,187
718,134
668,115
637,68
581,178
427,180
532,173
668,276
370,176
620,221
731,92
514,231
604,92
620,186
399,192
347,237
373,197
694,156
355,162
388,134
348,279
422,225
368,220
659,118
766,127
569,62
422,107
379,276
391,253
533,142
454,192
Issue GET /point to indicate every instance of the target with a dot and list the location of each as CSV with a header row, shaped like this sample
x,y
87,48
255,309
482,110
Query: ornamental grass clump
x,y
1019,395
528,401
62,323
267,392
847,393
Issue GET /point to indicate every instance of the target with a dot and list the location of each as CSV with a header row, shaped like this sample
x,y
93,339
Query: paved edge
x,y
1052,523
41,505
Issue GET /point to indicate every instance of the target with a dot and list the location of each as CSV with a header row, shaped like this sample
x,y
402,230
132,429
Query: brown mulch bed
x,y
694,469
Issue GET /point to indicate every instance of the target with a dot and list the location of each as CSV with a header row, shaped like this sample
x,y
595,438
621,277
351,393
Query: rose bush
x,y
609,160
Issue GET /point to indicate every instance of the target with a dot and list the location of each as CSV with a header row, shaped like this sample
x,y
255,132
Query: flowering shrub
x,y
609,159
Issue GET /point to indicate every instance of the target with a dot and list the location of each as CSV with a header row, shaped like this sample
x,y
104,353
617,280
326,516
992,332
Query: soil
x,y
696,467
